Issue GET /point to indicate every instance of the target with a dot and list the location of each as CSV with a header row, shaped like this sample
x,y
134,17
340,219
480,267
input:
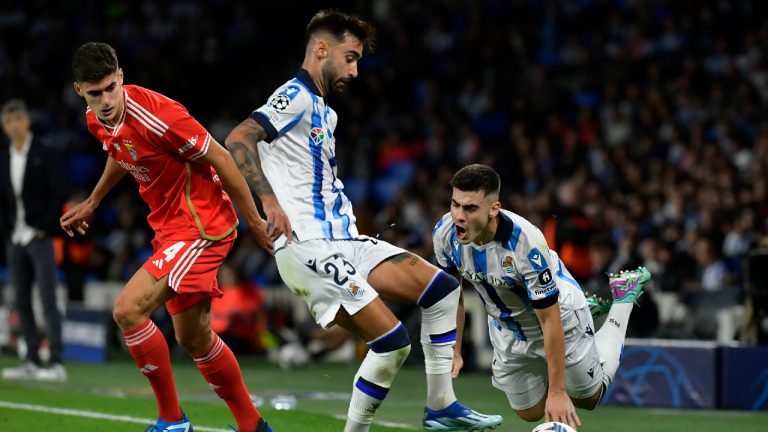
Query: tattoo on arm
x,y
248,162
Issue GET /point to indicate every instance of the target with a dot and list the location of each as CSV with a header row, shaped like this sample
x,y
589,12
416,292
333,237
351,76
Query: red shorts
x,y
191,267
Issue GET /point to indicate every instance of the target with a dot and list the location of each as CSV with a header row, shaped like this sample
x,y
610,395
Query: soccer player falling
x,y
548,356
182,173
286,151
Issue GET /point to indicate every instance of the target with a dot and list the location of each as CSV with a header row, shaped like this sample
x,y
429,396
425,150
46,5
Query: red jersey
x,y
157,141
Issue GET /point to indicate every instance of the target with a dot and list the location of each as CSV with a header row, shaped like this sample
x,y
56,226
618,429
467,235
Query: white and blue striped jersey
x,y
299,160
514,274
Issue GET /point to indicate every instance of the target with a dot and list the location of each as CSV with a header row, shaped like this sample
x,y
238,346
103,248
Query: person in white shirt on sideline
x,y
32,193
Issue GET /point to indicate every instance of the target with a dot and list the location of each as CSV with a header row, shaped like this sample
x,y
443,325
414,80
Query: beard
x,y
334,83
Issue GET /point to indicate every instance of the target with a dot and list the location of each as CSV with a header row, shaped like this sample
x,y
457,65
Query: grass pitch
x,y
116,397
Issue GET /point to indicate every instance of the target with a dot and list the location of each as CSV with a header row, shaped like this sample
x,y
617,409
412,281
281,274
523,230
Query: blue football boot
x,y
457,417
263,426
183,425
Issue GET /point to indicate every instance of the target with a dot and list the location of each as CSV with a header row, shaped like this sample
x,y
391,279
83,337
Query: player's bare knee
x,y
126,315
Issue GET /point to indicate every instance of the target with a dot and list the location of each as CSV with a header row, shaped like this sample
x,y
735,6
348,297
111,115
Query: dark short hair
x,y
93,61
339,23
14,105
477,177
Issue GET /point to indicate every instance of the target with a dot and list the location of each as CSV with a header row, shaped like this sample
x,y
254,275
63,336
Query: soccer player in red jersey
x,y
182,173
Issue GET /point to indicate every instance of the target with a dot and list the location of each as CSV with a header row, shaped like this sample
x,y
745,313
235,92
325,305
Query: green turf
x,y
322,392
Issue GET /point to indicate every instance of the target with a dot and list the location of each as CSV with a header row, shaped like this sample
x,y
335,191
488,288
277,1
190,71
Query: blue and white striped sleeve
x,y
533,263
284,109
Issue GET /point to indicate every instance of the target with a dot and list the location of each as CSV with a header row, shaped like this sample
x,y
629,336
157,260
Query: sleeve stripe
x,y
203,148
546,301
262,120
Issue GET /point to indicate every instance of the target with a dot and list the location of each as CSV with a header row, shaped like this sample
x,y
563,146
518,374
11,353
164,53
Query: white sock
x,y
439,382
438,357
610,338
374,378
360,414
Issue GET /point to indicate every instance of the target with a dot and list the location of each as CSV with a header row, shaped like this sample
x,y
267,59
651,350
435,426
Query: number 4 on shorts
x,y
169,253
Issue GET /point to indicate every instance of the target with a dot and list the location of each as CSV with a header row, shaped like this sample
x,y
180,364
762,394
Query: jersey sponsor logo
x,y
480,276
317,135
213,386
355,290
190,144
158,263
506,264
543,291
591,372
279,102
545,277
137,171
116,146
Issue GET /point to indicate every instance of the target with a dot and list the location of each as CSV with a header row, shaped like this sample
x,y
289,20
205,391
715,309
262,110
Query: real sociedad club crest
x,y
355,290
317,135
506,264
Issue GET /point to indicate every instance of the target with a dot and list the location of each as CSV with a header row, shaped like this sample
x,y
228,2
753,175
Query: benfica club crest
x,y
129,145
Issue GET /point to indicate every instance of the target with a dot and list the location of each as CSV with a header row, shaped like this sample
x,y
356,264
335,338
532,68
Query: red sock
x,y
150,352
219,367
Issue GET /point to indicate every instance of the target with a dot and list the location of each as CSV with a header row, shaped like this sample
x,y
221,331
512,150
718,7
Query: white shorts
x,y
329,274
520,367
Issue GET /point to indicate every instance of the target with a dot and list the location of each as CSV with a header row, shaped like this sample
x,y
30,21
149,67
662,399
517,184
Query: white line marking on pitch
x,y
90,414
381,423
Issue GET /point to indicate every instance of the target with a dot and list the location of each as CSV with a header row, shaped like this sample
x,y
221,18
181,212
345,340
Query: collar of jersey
x,y
303,76
504,230
503,233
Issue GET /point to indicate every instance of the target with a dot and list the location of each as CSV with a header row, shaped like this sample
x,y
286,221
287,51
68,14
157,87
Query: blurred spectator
x,y
31,193
652,112
239,317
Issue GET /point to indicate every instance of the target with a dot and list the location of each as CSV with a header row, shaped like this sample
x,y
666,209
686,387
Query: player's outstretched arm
x,y
218,157
558,407
77,217
242,143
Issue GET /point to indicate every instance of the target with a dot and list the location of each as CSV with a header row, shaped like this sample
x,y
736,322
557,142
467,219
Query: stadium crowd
x,y
632,132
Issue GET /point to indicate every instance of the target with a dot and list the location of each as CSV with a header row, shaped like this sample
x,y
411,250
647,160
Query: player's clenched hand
x,y
559,408
76,218
262,238
458,363
277,221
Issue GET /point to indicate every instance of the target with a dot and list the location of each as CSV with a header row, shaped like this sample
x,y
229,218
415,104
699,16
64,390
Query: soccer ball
x,y
553,427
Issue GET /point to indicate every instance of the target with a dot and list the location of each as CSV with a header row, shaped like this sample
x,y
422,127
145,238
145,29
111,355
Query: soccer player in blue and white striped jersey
x,y
548,357
286,151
